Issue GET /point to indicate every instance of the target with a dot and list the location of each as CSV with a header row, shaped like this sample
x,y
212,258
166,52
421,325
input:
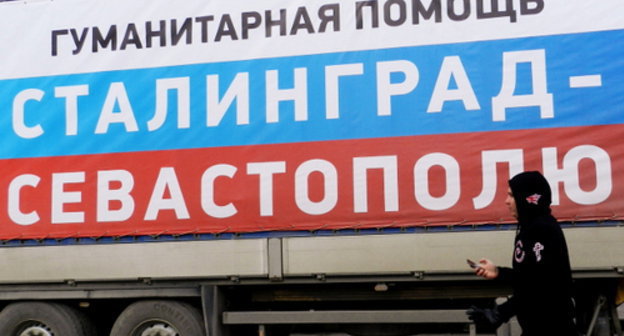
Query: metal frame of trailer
x,y
206,270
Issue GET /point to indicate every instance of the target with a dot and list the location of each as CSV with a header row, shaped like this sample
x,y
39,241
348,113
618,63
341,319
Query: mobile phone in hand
x,y
472,264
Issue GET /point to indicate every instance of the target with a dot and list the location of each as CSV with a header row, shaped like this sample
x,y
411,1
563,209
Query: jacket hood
x,y
532,194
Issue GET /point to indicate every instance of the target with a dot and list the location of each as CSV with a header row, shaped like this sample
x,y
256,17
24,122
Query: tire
x,y
162,318
45,319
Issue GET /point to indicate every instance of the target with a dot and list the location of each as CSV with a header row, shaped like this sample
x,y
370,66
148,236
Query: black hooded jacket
x,y
541,276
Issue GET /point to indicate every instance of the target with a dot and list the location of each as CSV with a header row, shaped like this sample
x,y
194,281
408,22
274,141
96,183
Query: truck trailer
x,y
283,167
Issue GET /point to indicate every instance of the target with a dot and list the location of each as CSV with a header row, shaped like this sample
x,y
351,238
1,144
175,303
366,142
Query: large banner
x,y
146,117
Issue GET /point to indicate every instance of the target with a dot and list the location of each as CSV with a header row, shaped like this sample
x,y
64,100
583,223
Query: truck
x,y
289,167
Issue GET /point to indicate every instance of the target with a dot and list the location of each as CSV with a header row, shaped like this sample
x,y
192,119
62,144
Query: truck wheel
x,y
159,318
43,319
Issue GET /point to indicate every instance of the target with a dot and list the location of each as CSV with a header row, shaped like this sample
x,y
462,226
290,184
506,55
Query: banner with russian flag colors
x,y
147,118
